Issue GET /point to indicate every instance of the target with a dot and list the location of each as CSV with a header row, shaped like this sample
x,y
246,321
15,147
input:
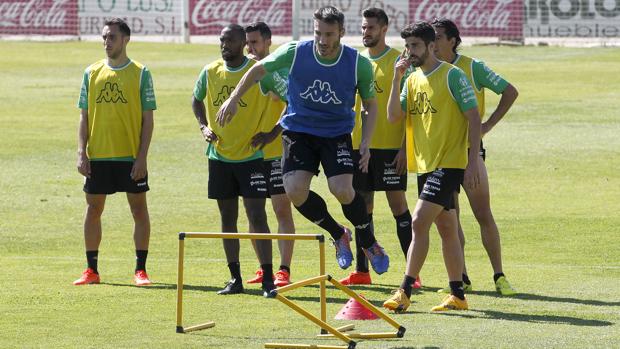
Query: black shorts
x,y
229,180
304,151
381,174
109,177
273,167
440,185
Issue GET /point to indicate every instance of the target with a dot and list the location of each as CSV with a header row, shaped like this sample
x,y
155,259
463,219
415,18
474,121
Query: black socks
x,y
235,271
315,210
356,213
407,285
267,273
91,259
403,230
141,259
361,262
456,289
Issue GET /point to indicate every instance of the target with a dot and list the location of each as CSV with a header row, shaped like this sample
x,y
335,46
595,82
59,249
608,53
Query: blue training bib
x,y
321,96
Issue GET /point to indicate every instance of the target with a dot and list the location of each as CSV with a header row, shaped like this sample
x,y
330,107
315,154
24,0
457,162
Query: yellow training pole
x,y
199,327
367,305
345,328
302,283
303,346
180,284
323,293
314,319
254,236
378,335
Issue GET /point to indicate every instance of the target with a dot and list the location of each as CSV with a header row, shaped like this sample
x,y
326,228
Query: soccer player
x,y
116,125
387,168
442,116
323,79
258,36
235,167
481,77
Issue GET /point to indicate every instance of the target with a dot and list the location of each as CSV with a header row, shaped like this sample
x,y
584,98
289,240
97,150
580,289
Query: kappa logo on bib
x,y
422,104
223,95
111,94
321,92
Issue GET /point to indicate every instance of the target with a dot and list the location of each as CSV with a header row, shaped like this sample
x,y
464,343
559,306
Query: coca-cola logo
x,y
34,13
474,14
206,13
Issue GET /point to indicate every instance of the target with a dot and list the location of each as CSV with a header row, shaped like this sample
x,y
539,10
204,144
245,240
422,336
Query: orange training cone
x,y
353,310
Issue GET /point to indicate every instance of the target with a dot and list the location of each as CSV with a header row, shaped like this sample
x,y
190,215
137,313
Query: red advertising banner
x,y
42,17
208,17
498,18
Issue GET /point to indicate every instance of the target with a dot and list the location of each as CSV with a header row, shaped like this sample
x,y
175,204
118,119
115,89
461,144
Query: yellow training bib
x,y
386,134
436,128
235,137
114,110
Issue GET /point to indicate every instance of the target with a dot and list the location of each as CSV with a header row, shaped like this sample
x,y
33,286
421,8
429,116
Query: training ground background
x,y
553,164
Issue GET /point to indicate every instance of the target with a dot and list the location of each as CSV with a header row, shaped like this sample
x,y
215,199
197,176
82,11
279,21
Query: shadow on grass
x,y
259,292
543,298
548,319
385,289
248,291
164,286
358,288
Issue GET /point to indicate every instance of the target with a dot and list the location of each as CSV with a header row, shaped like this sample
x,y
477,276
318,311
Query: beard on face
x,y
370,42
326,50
418,61
229,55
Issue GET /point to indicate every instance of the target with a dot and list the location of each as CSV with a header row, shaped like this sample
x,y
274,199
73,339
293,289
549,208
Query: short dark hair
x,y
122,25
236,30
451,30
422,30
379,14
262,27
329,14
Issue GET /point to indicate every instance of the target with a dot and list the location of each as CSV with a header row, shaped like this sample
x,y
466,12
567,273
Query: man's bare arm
x,y
139,169
83,163
509,96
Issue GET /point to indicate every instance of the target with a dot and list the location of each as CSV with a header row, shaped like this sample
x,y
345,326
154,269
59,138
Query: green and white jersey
x,y
481,77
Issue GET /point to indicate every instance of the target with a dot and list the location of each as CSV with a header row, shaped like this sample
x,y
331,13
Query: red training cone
x,y
353,310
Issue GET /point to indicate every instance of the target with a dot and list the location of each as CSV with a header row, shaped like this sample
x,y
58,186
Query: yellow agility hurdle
x,y
190,235
326,329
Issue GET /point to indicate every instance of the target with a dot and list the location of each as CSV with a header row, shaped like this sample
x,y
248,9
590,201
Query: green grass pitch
x,y
553,163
